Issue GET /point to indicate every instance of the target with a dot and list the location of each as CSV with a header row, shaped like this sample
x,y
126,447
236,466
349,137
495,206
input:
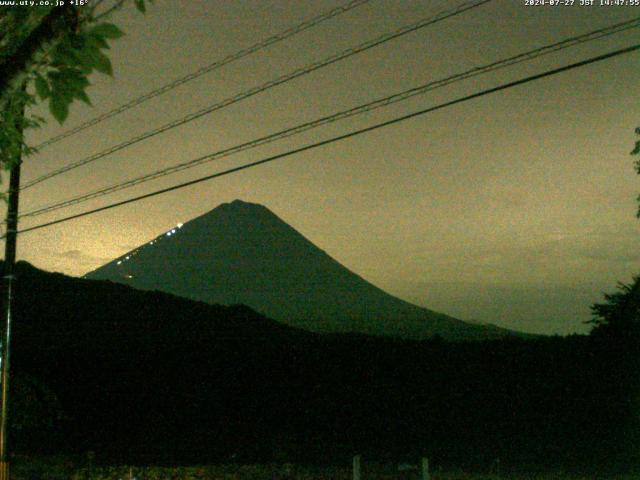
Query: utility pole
x,y
9,278
55,22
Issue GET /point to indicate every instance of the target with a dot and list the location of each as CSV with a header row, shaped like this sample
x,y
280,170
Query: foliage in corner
x,y
620,313
58,72
63,76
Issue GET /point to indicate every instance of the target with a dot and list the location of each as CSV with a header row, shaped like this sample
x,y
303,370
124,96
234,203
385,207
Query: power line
x,y
265,86
340,137
382,102
312,22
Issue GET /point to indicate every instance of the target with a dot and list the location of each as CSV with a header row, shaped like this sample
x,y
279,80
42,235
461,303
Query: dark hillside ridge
x,y
242,253
134,370
148,377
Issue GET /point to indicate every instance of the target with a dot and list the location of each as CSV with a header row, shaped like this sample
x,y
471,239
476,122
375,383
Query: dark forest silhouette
x,y
147,377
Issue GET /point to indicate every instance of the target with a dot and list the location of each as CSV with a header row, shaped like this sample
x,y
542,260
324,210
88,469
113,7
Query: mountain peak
x,y
241,209
237,203
243,253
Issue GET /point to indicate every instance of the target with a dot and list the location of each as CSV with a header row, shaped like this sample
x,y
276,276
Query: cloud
x,y
73,254
612,255
80,256
616,245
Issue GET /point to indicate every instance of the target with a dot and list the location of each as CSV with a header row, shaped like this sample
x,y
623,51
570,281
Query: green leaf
x,y
59,108
140,5
106,30
60,93
76,40
90,58
64,54
69,83
73,77
636,150
86,57
42,87
103,64
96,41
82,96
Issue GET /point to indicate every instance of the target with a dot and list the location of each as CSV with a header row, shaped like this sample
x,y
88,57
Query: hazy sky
x,y
515,208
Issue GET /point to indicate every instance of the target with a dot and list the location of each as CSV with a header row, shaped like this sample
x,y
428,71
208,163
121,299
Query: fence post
x,y
425,469
356,467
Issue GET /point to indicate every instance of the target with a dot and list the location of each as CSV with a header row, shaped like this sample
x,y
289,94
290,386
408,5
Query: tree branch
x,y
58,20
117,6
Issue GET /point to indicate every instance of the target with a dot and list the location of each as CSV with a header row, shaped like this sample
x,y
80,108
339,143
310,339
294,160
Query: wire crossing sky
x,y
383,102
363,47
290,32
345,136
516,209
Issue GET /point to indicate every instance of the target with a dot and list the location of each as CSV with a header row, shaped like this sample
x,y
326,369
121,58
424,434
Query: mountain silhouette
x,y
242,253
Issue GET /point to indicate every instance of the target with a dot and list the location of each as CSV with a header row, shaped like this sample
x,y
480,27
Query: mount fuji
x,y
242,253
